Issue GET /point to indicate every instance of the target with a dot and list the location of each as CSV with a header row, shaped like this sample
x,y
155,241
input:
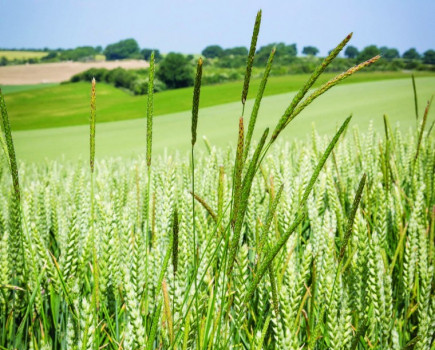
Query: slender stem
x,y
195,261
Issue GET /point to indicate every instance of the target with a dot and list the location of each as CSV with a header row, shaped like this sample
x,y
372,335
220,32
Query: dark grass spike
x,y
92,126
351,220
312,79
257,103
250,60
246,189
238,168
328,85
414,88
195,110
195,104
150,107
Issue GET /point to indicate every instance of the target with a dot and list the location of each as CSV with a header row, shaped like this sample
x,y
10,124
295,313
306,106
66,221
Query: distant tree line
x,y
233,57
288,55
174,71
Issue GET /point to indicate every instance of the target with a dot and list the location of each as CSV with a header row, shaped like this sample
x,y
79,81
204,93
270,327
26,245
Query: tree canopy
x,y
351,52
411,54
368,52
175,70
310,50
429,57
122,49
213,51
146,53
389,53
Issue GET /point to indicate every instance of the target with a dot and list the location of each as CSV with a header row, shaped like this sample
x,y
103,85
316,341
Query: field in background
x,y
57,72
67,105
8,89
19,55
367,101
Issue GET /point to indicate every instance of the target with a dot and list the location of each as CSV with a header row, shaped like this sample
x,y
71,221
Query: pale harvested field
x,y
11,54
57,72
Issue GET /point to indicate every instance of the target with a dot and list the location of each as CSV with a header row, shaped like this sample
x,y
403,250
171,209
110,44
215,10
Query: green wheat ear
x,y
196,94
10,147
150,101
92,126
250,61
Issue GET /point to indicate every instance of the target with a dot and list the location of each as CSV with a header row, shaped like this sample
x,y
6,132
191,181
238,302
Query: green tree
x,y
284,53
236,51
411,54
213,51
146,53
175,70
3,61
81,53
310,50
429,57
389,53
122,49
368,52
351,52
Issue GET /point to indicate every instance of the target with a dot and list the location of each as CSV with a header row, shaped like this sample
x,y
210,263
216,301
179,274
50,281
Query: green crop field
x,y
367,101
271,234
11,55
65,105
8,89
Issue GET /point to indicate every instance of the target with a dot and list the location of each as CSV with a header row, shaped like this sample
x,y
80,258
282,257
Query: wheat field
x,y
326,243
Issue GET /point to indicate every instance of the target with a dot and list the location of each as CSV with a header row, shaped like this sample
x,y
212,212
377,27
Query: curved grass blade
x,y
351,220
257,103
312,79
325,87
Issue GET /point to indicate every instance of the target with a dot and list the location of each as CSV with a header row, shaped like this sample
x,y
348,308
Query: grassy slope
x,y
10,55
367,101
66,105
9,89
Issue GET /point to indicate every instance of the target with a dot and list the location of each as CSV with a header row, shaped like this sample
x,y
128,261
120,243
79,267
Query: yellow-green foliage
x,y
19,55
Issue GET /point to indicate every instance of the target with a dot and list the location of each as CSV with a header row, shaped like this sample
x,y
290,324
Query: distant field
x,y
8,89
11,55
367,101
25,74
68,104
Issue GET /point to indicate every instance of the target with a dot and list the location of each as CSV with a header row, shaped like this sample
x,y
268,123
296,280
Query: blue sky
x,y
190,25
